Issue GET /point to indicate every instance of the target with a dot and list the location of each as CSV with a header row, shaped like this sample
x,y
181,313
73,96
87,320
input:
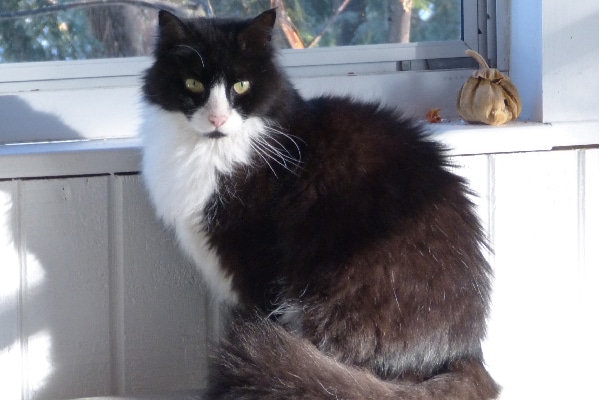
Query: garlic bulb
x,y
488,96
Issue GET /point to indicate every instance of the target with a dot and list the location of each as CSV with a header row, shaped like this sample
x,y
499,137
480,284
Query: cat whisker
x,y
271,152
259,152
278,152
194,50
394,290
266,155
288,136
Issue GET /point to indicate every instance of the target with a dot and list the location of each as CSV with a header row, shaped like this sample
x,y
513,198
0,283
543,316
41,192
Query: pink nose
x,y
217,120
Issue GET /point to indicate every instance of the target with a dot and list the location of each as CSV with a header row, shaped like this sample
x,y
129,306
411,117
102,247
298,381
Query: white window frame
x,y
475,31
98,98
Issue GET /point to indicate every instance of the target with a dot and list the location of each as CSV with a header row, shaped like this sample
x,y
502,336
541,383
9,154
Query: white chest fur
x,y
180,169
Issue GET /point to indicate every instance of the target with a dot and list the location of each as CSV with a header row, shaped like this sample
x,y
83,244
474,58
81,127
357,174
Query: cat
x,y
335,229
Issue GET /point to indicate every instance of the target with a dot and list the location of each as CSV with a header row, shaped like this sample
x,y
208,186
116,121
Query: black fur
x,y
363,258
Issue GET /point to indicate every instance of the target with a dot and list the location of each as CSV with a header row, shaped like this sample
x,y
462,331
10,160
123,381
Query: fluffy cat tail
x,y
261,360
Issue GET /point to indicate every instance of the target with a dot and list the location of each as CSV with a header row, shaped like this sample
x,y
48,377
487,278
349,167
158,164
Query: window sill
x,y
68,158
515,137
123,155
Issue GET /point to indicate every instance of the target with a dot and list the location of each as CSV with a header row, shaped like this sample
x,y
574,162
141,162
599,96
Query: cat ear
x,y
257,36
171,29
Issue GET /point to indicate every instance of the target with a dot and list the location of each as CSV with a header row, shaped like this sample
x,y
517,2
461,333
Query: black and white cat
x,y
352,255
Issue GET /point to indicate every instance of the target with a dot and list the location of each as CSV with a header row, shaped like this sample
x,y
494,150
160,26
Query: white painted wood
x,y
476,170
64,261
92,157
535,348
525,63
590,217
589,261
515,136
99,98
80,157
11,362
69,114
413,92
554,59
96,298
553,62
570,60
165,327
85,71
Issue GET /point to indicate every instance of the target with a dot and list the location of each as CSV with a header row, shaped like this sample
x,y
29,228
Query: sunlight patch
x,y
39,362
10,370
9,257
24,360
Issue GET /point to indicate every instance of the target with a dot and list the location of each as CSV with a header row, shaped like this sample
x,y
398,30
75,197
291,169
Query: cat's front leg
x,y
195,243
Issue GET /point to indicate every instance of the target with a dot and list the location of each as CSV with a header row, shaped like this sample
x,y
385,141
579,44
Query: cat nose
x,y
217,120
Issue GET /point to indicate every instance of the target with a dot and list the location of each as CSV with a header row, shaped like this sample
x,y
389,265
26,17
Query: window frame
x,y
44,84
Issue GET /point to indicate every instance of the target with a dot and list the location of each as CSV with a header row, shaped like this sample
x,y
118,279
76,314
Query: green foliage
x,y
67,35
59,36
444,24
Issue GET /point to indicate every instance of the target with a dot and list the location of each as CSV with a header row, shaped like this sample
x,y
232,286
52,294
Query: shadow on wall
x,y
20,123
25,345
95,297
26,363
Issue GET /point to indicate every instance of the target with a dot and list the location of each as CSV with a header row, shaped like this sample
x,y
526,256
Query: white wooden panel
x,y
479,171
65,296
531,332
556,67
96,298
569,55
165,326
391,89
591,212
69,114
10,285
80,157
476,170
589,295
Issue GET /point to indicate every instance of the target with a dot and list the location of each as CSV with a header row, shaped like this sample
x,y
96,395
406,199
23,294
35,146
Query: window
x,y
68,57
85,29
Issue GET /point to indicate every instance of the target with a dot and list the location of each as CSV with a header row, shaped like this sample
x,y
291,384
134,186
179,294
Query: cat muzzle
x,y
215,135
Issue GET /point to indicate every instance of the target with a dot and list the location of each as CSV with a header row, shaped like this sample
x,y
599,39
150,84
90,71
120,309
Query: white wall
x,y
95,299
543,218
554,59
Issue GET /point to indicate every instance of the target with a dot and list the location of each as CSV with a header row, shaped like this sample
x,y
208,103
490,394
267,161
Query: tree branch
x,y
399,21
287,26
339,10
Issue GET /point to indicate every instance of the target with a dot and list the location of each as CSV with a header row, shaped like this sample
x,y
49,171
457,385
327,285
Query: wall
x,y
95,298
554,59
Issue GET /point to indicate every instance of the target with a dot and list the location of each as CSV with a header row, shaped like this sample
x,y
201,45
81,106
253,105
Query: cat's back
x,y
366,172
368,134
340,110
362,146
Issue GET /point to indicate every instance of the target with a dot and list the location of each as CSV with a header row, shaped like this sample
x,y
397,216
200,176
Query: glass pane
x,y
44,30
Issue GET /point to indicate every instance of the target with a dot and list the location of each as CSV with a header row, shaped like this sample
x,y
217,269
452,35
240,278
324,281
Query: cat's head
x,y
218,73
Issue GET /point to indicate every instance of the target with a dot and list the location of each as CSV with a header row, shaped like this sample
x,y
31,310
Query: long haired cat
x,y
334,227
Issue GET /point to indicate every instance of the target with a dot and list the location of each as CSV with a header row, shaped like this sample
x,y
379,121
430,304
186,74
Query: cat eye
x,y
241,87
194,86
